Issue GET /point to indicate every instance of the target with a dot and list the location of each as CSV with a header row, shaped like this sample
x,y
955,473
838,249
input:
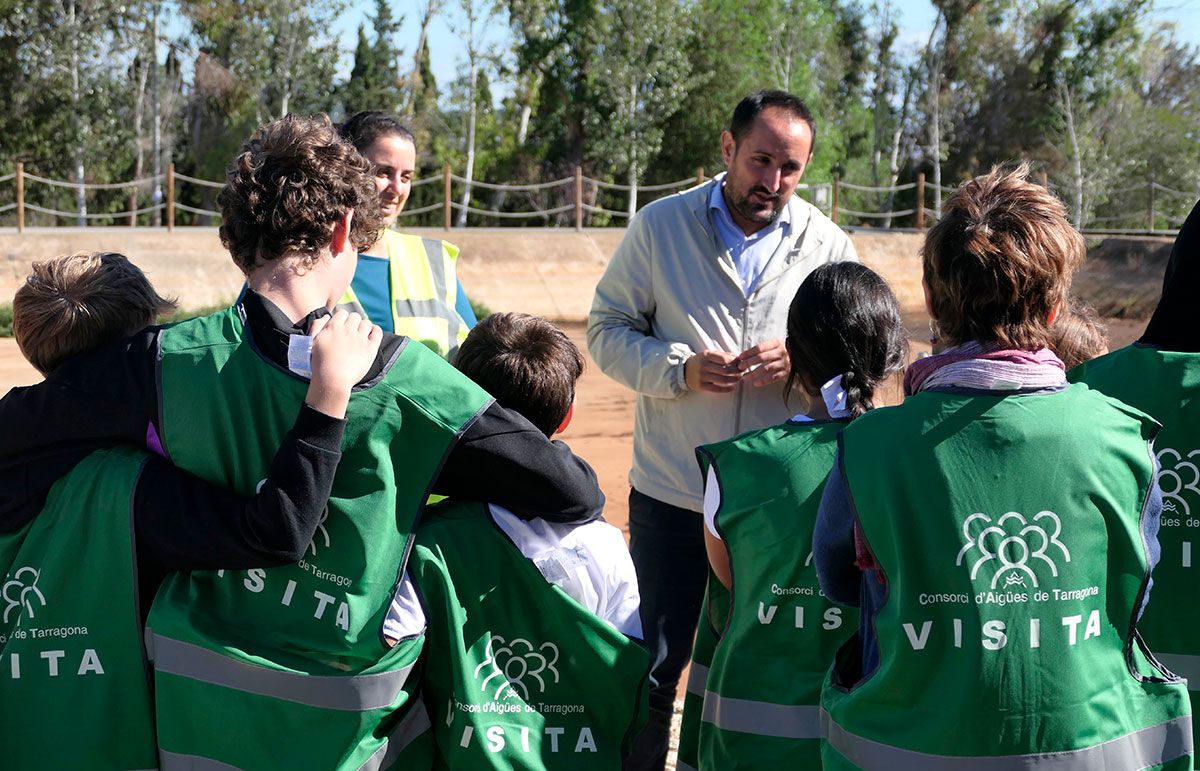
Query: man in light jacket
x,y
691,314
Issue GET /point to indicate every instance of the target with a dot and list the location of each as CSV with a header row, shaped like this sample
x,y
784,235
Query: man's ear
x,y
728,147
340,242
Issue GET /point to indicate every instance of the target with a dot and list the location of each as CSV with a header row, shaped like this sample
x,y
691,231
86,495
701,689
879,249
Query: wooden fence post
x,y
132,207
921,201
446,183
170,196
20,197
578,198
699,175
833,210
1043,179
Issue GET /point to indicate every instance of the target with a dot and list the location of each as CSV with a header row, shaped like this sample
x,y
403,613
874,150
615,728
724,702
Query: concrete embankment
x,y
549,272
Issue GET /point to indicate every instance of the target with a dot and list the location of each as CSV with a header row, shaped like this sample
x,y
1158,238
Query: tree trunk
x,y
156,106
633,145
935,109
466,199
894,158
416,86
77,116
139,135
1064,95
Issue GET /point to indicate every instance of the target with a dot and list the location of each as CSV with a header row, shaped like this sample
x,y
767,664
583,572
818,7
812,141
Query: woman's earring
x,y
934,332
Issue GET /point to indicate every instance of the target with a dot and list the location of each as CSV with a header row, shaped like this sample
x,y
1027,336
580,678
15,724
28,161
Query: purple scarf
x,y
987,368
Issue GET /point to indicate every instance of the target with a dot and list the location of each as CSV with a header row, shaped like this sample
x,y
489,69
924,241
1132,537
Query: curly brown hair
x,y
288,186
1000,260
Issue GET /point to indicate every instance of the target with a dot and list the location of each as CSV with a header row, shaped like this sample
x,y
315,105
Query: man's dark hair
x,y
527,363
749,108
845,320
288,186
363,128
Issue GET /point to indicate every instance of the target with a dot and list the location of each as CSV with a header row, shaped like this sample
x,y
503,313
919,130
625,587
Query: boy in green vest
x,y
80,575
531,660
293,655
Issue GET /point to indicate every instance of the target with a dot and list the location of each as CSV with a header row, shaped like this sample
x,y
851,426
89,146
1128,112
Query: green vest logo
x,y
20,591
1176,477
1012,546
513,666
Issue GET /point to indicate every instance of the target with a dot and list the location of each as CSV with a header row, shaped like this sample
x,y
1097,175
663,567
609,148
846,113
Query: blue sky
x,y
449,50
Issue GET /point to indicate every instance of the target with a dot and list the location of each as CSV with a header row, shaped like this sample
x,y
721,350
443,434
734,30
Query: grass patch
x,y
183,314
479,309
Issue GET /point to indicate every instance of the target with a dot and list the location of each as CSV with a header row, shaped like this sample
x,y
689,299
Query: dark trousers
x,y
667,545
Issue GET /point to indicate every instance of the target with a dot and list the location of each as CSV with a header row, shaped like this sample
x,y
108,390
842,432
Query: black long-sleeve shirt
x,y
183,522
110,396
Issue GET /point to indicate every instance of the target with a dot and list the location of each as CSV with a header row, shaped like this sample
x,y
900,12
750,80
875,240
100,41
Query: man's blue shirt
x,y
750,253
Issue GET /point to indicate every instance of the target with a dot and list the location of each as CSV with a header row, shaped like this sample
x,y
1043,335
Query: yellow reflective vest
x,y
424,288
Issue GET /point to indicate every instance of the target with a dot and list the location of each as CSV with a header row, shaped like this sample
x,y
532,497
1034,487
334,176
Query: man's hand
x,y
710,370
343,348
765,363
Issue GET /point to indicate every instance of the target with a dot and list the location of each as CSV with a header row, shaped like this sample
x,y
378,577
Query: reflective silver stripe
x,y
437,266
697,679
354,306
1148,747
436,308
347,693
764,718
414,724
1185,666
173,761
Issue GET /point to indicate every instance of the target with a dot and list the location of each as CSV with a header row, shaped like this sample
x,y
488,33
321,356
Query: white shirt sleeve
x,y
712,502
622,600
405,617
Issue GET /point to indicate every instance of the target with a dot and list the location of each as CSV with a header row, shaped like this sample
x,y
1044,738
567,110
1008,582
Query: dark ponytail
x,y
845,320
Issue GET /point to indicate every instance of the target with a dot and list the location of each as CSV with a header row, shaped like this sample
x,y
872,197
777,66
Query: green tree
x,y
640,76
374,82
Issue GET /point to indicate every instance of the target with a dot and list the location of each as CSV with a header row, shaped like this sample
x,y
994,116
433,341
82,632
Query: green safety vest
x,y
1009,529
424,291
518,674
764,685
1166,385
714,612
293,656
74,683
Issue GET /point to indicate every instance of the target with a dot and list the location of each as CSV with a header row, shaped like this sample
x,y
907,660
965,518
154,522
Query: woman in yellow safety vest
x,y
405,283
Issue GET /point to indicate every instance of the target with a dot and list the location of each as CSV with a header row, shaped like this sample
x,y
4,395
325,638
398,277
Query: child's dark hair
x,y
363,128
527,363
845,320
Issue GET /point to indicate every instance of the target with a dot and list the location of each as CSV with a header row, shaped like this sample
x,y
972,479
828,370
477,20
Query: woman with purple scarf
x,y
997,530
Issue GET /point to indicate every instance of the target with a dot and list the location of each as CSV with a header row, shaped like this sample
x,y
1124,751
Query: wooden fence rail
x,y
582,196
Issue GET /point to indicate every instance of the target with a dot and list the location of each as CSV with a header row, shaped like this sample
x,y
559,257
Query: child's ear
x,y
340,242
566,421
